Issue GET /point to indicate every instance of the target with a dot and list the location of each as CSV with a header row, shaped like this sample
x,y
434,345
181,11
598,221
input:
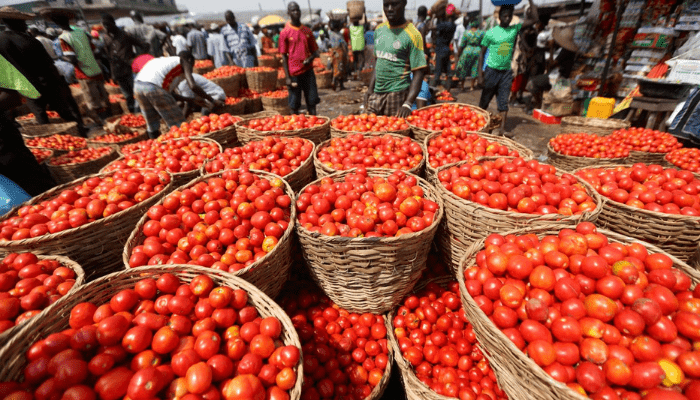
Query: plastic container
x,y
600,107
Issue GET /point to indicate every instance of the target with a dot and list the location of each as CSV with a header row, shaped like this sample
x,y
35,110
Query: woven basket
x,y
369,274
261,81
280,105
523,379
524,152
335,132
317,134
143,135
572,163
323,170
356,8
420,134
32,121
96,246
47,157
645,157
65,128
599,126
467,221
259,114
79,280
268,273
233,109
224,137
56,152
203,70
12,355
69,172
676,234
230,84
324,80
254,105
271,62
112,125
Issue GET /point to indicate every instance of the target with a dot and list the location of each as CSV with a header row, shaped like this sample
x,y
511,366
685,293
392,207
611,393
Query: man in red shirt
x,y
298,48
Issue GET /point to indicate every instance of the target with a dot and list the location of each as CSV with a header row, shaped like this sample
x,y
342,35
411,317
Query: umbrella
x,y
271,20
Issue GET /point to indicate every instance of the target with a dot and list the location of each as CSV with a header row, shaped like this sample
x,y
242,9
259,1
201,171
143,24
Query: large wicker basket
x,y
523,151
25,122
12,355
677,234
335,132
233,109
254,105
69,172
467,221
523,379
323,170
599,126
112,125
572,163
225,137
369,274
279,104
268,61
261,81
142,135
56,152
79,280
230,84
64,128
96,246
268,273
324,80
646,158
317,134
420,134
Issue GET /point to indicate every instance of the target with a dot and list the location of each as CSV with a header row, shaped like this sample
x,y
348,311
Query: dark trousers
x,y
60,99
306,83
126,84
19,165
442,66
496,82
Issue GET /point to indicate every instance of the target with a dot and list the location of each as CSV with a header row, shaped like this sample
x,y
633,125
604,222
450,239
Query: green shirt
x,y
357,37
79,46
399,50
500,42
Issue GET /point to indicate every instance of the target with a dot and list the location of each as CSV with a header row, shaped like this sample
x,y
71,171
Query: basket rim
x,y
328,170
479,110
131,241
376,240
477,245
74,164
586,215
631,209
57,190
49,135
244,120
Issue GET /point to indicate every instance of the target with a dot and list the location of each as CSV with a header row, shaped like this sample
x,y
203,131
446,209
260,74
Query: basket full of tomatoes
x,y
228,77
78,163
573,151
435,118
497,194
316,129
217,127
201,67
592,314
118,140
345,125
30,119
367,257
58,143
41,155
238,221
276,100
658,205
125,123
100,343
261,79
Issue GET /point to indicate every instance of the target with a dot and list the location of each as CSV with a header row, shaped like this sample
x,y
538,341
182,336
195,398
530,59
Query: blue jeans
x,y
306,83
496,82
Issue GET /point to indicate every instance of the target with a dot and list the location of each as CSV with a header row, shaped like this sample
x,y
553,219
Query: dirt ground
x,y
528,131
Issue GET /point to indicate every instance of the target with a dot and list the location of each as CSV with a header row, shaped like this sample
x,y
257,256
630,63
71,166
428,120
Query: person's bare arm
x,y
285,66
187,70
481,65
413,91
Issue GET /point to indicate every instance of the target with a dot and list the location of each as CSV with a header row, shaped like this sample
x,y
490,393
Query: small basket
x,y
523,152
230,84
68,172
317,134
369,274
323,170
112,125
420,134
261,81
324,80
79,280
268,273
96,246
676,234
572,163
522,378
467,221
100,291
599,126
279,104
65,128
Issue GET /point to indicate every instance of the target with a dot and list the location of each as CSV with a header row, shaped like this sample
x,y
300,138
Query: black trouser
x,y
126,84
442,65
18,163
60,99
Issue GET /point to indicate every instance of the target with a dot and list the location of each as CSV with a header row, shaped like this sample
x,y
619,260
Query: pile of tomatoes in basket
x,y
49,113
200,126
616,145
446,116
225,71
40,154
687,158
132,120
116,138
369,123
203,63
81,156
278,155
285,123
58,142
276,94
455,144
172,155
384,151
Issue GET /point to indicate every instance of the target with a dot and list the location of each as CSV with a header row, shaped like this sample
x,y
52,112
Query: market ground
x,y
528,131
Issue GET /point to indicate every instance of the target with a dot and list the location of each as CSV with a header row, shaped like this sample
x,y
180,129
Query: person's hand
x,y
403,112
289,83
308,60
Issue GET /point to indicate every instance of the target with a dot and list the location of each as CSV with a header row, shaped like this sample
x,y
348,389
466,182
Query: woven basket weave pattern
x,y
599,126
230,84
261,81
69,172
572,163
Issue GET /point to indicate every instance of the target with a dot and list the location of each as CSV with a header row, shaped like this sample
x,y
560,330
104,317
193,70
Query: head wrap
x,y
450,10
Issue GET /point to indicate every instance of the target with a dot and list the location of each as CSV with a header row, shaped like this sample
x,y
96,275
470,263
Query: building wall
x,y
145,6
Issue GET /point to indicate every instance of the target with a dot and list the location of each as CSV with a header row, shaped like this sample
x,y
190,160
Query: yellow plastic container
x,y
600,107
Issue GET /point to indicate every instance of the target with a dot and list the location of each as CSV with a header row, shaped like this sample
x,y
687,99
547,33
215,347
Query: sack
x,y
561,91
557,108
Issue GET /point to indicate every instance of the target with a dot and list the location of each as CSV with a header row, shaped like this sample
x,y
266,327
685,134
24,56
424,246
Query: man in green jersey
x,y
497,77
398,47
357,43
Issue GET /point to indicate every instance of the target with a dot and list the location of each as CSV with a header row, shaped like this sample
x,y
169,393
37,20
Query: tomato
x,y
114,384
244,387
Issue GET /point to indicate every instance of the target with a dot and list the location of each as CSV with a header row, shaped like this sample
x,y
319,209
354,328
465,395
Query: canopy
x,y
271,20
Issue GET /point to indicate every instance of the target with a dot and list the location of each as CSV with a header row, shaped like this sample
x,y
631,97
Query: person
x,y
357,43
184,93
339,54
119,48
461,25
421,19
468,56
77,49
147,34
369,45
425,96
216,46
276,37
257,32
298,49
398,47
240,42
443,31
522,57
46,42
265,40
179,41
197,43
29,57
497,77
51,34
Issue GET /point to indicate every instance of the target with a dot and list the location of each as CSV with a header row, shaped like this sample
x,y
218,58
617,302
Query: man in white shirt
x,y
184,93
179,41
